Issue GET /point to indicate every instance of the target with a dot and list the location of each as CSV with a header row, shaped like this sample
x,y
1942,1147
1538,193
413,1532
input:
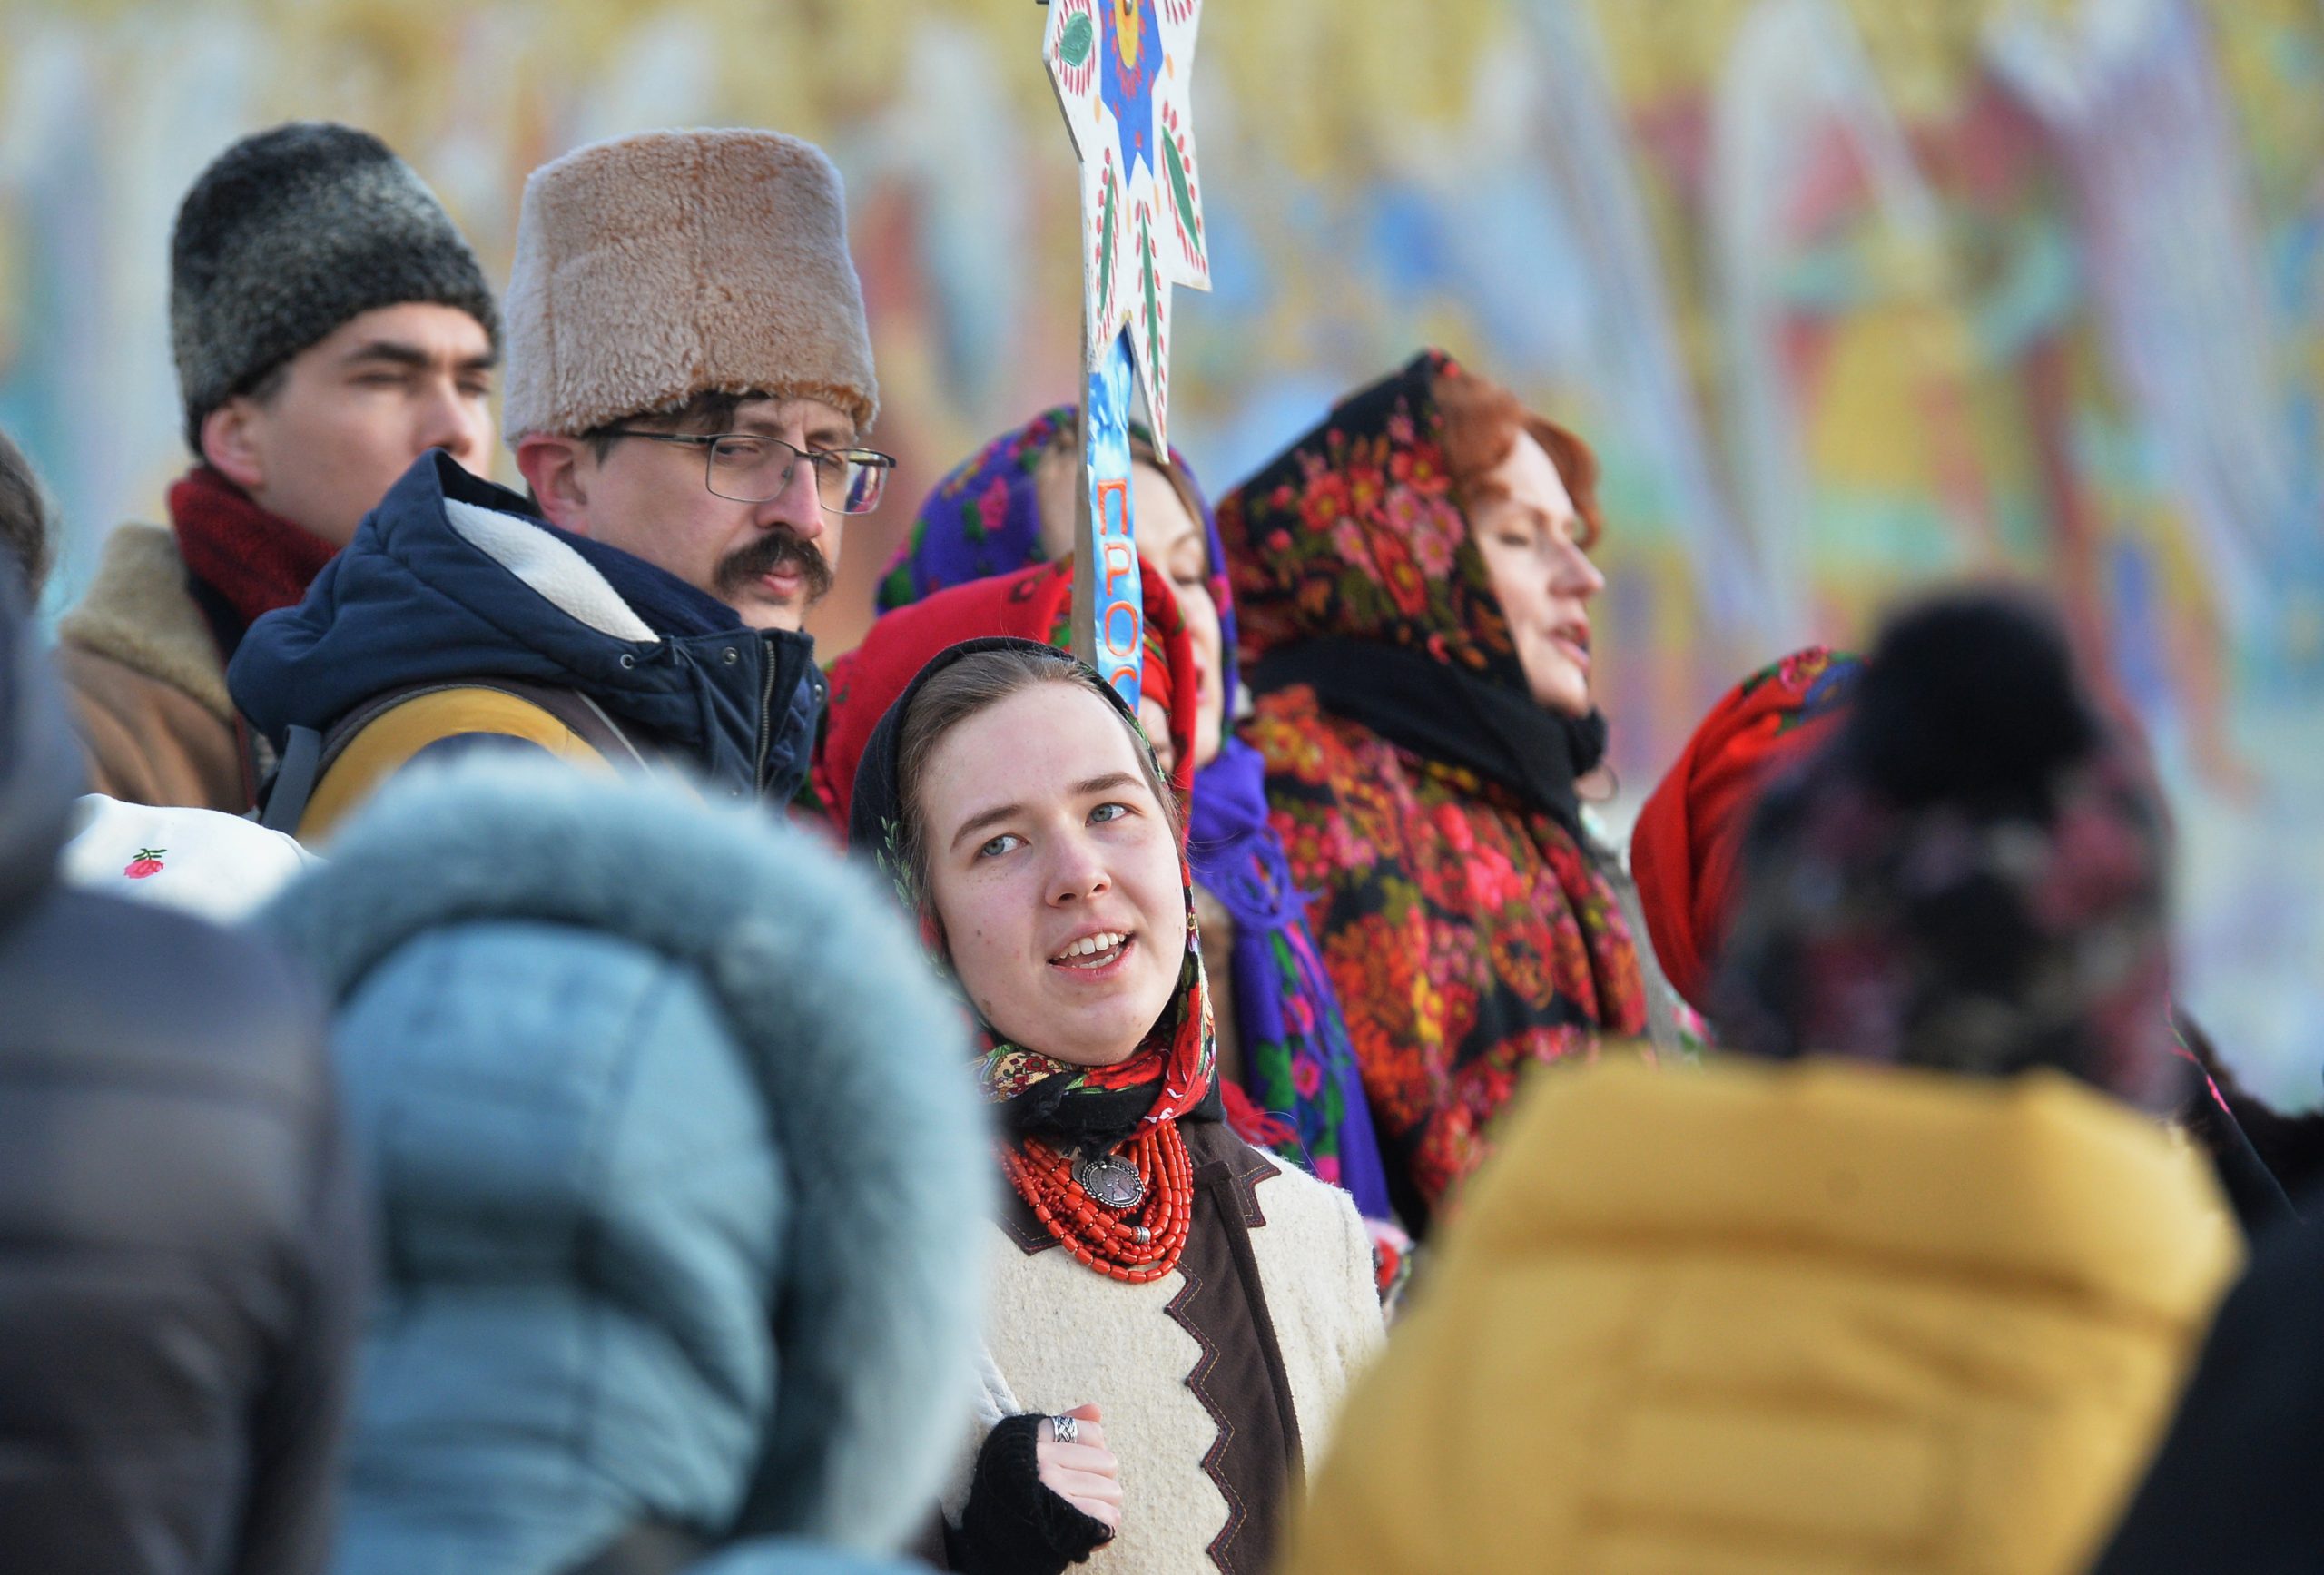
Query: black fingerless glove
x,y
1013,1524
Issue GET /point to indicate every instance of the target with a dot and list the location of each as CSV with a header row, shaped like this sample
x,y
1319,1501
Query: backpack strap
x,y
381,736
285,799
580,712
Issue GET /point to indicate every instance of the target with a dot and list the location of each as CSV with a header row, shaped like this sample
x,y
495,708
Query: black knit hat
x,y
289,234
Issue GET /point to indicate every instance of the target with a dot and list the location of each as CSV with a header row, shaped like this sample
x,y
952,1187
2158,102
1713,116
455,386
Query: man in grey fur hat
x,y
329,325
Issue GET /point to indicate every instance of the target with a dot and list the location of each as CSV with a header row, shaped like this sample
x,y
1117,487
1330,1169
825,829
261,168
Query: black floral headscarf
x,y
1355,571
1421,792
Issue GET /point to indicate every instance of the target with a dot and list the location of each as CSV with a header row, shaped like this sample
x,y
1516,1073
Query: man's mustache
x,y
779,548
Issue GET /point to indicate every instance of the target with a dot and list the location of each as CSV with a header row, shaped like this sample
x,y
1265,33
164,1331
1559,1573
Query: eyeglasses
x,y
750,468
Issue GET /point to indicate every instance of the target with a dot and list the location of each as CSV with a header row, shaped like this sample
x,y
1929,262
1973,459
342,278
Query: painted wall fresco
x,y
1853,295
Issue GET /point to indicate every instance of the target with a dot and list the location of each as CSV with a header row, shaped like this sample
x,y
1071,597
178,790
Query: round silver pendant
x,y
1110,1179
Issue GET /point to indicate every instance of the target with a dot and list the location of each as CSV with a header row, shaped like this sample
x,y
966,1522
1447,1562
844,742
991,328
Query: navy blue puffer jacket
x,y
452,579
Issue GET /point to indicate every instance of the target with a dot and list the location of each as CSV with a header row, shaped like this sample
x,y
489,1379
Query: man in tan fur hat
x,y
689,382
669,289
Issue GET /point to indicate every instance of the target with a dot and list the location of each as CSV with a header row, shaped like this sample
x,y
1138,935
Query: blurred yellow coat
x,y
1783,1320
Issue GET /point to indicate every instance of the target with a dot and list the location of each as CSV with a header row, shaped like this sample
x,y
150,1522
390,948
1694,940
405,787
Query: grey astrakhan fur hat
x,y
653,267
288,234
858,1054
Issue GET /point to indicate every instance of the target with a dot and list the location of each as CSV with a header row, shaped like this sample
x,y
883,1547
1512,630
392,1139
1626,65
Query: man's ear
x,y
230,445
559,470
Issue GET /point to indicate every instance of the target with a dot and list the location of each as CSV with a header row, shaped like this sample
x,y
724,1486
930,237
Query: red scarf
x,y
1032,604
257,561
1686,852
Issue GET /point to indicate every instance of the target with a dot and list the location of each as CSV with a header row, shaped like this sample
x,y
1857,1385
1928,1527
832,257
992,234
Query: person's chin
x,y
769,613
1107,1033
1210,731
1100,1055
1572,700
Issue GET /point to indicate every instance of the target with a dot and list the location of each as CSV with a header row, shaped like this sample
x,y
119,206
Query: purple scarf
x,y
984,519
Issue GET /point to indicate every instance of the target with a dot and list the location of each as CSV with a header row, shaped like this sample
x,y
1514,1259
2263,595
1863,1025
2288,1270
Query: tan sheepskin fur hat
x,y
653,268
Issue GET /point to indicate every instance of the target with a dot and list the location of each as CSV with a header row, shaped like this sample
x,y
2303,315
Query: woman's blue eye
x,y
1108,812
998,846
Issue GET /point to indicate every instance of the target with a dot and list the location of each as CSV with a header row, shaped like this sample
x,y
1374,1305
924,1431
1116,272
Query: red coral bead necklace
x,y
1134,1243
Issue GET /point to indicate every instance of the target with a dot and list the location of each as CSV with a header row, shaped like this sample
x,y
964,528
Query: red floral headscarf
x,y
1690,834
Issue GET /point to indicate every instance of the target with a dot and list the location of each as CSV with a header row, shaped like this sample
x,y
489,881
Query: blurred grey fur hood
x,y
675,1076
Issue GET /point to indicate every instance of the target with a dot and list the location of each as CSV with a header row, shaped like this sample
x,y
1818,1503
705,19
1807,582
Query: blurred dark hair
x,y
712,410
1971,699
26,526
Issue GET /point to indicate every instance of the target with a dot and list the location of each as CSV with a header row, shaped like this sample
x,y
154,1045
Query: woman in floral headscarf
x,y
1281,1031
1414,590
1174,1316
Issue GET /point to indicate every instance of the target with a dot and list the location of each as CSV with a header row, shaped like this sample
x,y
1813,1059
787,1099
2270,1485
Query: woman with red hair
x,y
1413,583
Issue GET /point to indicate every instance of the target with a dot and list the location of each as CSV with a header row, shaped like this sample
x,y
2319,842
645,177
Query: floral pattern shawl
x,y
982,520
1934,937
1471,935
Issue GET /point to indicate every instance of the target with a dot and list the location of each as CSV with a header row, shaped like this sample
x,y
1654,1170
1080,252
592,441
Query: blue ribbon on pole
x,y
1106,562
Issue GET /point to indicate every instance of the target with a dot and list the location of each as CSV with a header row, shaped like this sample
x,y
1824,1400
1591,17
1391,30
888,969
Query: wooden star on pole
x,y
1122,69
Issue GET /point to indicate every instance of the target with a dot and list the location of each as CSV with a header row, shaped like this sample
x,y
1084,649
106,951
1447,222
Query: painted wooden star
x,y
1123,69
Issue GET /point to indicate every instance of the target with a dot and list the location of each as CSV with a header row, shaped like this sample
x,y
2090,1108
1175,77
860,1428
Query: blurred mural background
x,y
1852,295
